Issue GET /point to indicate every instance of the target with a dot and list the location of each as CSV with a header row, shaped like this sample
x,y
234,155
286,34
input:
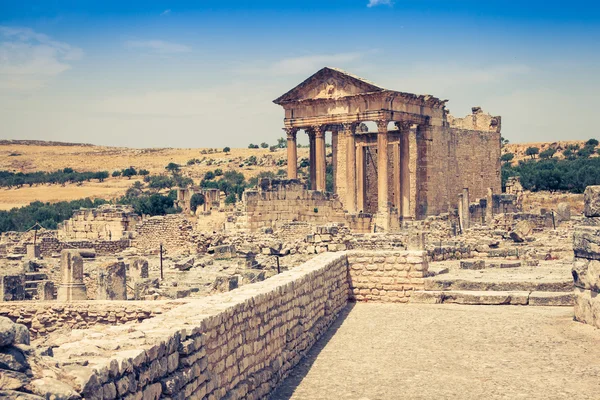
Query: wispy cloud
x,y
311,63
28,59
158,46
373,3
166,12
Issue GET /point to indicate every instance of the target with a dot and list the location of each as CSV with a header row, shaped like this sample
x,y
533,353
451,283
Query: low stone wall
x,y
386,276
173,231
42,318
52,245
239,344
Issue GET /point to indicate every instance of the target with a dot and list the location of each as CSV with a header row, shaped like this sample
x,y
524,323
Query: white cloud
x,y
28,59
312,63
158,46
166,12
373,3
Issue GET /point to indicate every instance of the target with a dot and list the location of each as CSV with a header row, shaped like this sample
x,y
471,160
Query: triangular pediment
x,y
329,83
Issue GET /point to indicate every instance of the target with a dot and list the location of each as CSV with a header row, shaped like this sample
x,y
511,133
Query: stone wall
x,y
386,276
279,202
107,222
243,343
52,245
42,318
173,231
586,269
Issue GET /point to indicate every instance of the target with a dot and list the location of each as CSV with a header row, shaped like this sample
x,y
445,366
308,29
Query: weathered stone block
x,y
591,199
12,287
112,281
586,274
587,307
586,242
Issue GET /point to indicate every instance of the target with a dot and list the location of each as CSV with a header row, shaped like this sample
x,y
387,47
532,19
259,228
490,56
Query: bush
x,y
592,143
116,174
218,172
507,157
160,182
129,172
273,148
264,145
226,149
253,146
251,160
231,198
209,176
143,172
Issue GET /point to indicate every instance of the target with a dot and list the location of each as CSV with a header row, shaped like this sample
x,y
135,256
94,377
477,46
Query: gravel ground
x,y
423,351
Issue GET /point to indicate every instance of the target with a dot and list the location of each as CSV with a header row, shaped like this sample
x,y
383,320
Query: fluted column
x,y
320,157
382,166
311,160
404,129
292,153
351,195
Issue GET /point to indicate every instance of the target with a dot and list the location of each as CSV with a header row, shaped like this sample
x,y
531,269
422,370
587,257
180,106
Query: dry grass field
x,y
33,157
518,149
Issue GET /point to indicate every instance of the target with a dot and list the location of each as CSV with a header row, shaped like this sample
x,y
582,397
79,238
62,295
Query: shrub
x,y
129,172
172,167
143,172
116,174
218,172
209,176
231,198
264,145
226,149
253,146
592,142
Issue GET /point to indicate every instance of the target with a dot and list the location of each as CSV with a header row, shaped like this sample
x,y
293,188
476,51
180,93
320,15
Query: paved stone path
x,y
424,351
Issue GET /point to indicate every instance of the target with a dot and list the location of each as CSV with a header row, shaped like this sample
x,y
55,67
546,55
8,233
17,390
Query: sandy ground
x,y
421,351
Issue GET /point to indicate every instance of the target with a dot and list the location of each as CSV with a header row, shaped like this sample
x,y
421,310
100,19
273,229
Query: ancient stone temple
x,y
430,157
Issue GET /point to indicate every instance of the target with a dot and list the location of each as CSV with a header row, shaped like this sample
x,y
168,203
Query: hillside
x,y
23,156
518,149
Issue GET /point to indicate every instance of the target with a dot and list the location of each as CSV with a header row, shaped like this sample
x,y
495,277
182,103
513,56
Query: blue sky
x,y
203,74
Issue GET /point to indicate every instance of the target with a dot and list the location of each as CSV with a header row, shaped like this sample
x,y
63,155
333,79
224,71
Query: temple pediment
x,y
328,83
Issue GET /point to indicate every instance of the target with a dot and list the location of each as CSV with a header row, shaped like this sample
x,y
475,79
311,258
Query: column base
x,y
71,292
382,222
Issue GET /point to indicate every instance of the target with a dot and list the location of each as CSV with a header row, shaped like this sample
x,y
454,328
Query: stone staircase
x,y
544,285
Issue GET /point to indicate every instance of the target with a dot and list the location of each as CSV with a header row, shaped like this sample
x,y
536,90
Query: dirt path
x,y
381,351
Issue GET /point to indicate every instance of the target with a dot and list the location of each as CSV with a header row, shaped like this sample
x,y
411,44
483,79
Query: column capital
x,y
291,132
382,125
349,128
403,126
318,130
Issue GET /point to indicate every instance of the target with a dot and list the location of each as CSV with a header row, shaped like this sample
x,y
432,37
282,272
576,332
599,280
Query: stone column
x,y
382,166
349,134
292,153
112,281
71,272
396,177
404,172
489,210
334,157
360,178
312,161
466,214
320,157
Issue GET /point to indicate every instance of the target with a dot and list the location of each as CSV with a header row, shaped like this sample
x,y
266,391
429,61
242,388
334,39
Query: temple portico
x,y
406,169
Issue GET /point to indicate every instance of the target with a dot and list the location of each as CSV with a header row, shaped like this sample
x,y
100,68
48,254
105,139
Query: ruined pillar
x,y
489,209
360,178
466,215
112,281
396,177
334,157
382,166
312,161
292,154
33,251
138,269
71,272
349,133
320,157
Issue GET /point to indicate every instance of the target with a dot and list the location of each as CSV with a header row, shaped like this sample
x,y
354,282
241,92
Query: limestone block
x,y
586,242
112,281
138,269
591,199
563,212
587,307
521,231
586,274
33,251
475,264
12,287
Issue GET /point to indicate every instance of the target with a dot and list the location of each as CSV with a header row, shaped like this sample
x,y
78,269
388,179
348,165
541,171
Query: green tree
x,y
129,172
197,200
101,176
548,153
116,174
282,143
592,143
532,151
264,145
226,149
172,167
143,172
231,198
209,175
507,157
